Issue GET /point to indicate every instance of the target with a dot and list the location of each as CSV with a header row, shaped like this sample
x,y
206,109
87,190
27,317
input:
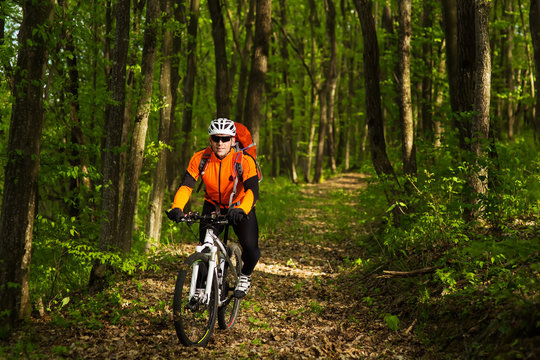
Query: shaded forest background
x,y
102,104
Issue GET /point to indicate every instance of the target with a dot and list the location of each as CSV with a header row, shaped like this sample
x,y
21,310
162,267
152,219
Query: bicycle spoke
x,y
228,311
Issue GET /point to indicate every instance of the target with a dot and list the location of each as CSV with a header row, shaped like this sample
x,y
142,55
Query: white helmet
x,y
222,126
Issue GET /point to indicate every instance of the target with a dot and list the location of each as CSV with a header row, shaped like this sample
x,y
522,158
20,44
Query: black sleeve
x,y
252,184
189,180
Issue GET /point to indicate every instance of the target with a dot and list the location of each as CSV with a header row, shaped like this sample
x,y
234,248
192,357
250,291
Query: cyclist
x,y
218,175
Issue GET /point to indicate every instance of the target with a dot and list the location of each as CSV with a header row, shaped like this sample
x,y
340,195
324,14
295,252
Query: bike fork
x,y
210,275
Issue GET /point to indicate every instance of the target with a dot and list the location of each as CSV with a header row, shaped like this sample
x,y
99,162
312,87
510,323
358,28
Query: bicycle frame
x,y
210,241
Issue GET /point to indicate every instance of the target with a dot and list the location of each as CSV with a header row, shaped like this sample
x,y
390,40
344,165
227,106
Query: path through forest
x,y
304,304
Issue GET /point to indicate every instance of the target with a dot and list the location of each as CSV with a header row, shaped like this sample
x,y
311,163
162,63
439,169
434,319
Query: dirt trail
x,y
302,306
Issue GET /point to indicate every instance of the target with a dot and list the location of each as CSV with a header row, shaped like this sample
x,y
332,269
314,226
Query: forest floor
x,y
305,303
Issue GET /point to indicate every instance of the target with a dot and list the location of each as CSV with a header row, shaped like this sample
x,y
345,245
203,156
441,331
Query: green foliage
x,y
391,321
477,266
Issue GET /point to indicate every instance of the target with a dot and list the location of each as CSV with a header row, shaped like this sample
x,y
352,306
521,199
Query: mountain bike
x,y
205,284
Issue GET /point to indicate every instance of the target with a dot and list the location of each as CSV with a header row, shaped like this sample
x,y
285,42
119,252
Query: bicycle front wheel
x,y
194,319
228,311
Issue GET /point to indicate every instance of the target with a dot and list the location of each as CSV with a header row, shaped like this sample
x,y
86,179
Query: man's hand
x,y
175,214
236,215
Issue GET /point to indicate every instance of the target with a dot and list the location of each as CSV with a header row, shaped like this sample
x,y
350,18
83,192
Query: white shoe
x,y
243,286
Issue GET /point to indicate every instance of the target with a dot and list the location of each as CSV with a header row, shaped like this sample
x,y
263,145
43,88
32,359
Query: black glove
x,y
236,215
175,214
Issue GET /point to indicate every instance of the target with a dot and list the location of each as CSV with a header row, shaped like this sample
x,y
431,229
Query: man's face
x,y
221,144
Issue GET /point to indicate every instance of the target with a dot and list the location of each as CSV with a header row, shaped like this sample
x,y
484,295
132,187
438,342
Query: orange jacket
x,y
218,179
243,137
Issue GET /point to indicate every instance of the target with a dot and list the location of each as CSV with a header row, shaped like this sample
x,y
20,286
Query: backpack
x,y
244,141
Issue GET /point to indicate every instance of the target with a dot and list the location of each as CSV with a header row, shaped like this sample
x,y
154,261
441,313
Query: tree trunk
x,y
136,153
160,172
534,16
405,109
244,65
510,113
289,142
427,78
189,83
327,93
22,165
449,10
466,71
223,97
478,179
313,21
379,158
373,94
114,119
174,160
323,127
259,66
78,158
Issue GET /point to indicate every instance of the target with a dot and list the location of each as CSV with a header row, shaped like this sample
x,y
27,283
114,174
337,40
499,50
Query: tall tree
x,y
327,92
509,71
175,160
427,76
222,93
534,15
189,81
165,116
377,143
114,119
478,178
245,50
373,98
466,68
22,167
288,139
259,66
135,160
449,10
404,75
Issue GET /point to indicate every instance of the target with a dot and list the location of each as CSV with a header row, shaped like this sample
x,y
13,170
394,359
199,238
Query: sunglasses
x,y
223,139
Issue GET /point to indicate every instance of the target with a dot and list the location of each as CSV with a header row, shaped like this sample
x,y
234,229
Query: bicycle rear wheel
x,y
194,320
228,311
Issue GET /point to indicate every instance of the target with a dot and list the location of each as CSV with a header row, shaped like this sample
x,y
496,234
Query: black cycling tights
x,y
248,236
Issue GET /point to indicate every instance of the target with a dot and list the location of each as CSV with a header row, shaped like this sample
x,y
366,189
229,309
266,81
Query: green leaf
x,y
392,321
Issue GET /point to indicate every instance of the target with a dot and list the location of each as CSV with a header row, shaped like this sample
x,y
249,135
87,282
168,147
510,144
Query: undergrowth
x,y
478,295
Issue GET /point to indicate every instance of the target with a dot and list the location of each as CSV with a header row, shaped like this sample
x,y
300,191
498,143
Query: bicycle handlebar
x,y
213,218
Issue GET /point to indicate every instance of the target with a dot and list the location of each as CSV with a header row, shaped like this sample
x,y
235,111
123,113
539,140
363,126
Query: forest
x,y
398,142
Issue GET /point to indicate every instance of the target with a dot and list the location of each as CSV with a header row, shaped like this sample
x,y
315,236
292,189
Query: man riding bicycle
x,y
231,186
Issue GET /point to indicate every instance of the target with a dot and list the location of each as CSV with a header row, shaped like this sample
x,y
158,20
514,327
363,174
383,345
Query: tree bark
x,y
136,153
379,157
427,78
377,143
327,92
22,166
160,172
509,42
259,66
534,15
114,119
449,10
174,160
189,83
478,180
289,143
466,71
223,97
244,65
405,108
